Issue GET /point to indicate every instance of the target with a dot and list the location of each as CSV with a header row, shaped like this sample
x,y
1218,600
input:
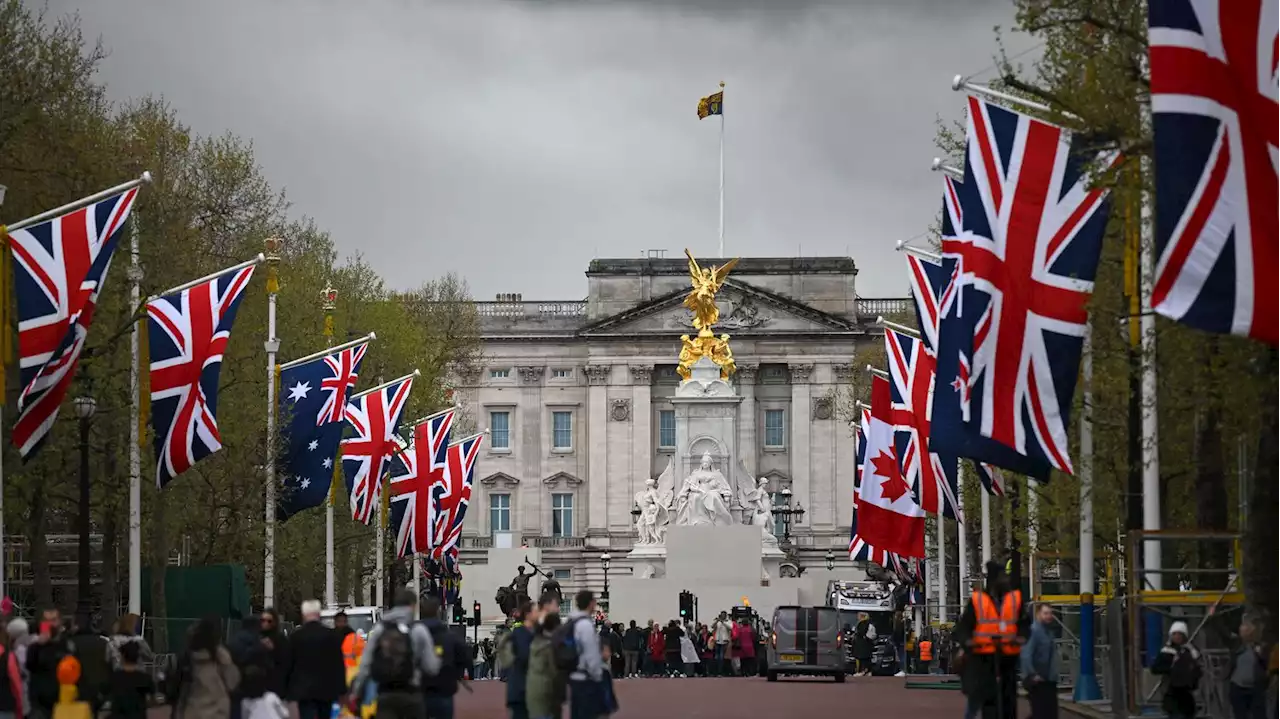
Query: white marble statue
x,y
704,497
654,513
757,507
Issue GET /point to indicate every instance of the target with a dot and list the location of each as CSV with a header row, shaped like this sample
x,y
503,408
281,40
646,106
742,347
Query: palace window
x,y
562,514
666,429
775,428
500,430
499,513
500,373
561,373
562,431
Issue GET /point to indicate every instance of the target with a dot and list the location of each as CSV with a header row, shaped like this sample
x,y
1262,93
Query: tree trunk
x,y
109,591
1211,505
1260,553
159,567
38,550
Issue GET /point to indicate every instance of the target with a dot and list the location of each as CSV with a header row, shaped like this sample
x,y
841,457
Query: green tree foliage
x,y
208,207
1216,394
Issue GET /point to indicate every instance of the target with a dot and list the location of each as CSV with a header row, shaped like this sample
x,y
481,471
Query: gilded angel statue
x,y
706,282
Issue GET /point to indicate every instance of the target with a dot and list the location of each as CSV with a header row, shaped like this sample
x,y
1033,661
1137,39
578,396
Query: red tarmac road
x,y
883,697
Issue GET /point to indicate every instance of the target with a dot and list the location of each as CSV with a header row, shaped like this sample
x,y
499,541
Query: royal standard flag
x,y
711,105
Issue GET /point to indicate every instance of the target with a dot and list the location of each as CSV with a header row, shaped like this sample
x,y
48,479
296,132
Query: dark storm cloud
x,y
513,141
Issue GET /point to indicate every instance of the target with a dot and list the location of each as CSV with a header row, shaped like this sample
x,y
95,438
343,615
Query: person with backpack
x,y
577,648
545,683
397,656
455,655
513,654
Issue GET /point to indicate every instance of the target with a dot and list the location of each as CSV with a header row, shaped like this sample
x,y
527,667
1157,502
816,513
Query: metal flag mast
x,y
272,346
135,460
330,595
722,168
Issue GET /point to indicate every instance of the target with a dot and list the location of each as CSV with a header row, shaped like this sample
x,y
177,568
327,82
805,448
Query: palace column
x,y
641,435
800,443
748,446
526,504
597,451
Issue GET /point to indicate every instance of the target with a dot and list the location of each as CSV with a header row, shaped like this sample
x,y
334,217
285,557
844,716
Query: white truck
x,y
361,619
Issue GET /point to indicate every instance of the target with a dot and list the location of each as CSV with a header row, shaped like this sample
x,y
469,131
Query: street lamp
x,y
831,560
604,596
790,514
85,406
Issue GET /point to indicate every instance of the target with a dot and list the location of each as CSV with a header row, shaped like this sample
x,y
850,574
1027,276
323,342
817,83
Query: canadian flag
x,y
888,516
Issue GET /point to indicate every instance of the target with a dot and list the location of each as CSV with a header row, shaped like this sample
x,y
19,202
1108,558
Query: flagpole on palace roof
x,y
330,296
722,168
272,346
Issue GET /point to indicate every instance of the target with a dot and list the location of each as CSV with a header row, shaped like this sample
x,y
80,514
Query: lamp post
x,y
85,406
790,514
831,560
604,596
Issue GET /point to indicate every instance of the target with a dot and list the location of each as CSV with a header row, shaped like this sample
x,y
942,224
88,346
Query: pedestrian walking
x,y
130,688
206,675
1040,666
722,631
51,645
315,675
438,691
864,642
587,691
277,644
513,654
991,632
746,648
11,704
632,646
396,658
1179,663
1249,671
657,651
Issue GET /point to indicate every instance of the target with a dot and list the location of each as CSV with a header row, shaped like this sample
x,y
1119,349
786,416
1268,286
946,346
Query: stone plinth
x,y
706,410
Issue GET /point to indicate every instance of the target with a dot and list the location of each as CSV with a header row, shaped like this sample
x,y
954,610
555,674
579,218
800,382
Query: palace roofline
x,y
655,266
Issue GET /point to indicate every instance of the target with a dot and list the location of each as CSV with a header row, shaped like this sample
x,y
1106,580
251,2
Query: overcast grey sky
x,y
514,140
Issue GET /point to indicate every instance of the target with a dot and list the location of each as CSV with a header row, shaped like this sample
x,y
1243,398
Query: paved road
x,y
748,698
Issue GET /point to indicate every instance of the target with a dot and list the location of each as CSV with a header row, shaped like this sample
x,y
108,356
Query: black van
x,y
806,641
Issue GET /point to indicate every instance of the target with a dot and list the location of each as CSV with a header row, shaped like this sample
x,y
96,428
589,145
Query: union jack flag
x,y
435,458
375,419
60,266
1213,103
453,506
932,476
934,287
1033,228
188,333
412,490
949,431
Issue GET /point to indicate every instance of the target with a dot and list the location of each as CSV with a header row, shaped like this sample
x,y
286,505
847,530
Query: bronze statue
x,y
510,597
701,300
551,585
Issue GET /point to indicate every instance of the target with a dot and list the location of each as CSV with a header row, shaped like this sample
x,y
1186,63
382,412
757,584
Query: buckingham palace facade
x,y
576,395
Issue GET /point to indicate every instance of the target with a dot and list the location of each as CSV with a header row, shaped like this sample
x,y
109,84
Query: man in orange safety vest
x,y
990,634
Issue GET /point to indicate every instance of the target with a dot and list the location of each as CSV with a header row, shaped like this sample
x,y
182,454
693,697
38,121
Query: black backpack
x,y
564,646
393,665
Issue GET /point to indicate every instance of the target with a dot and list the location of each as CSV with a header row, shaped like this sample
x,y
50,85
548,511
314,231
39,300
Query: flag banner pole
x,y
897,327
384,385
986,528
962,541
877,372
925,254
939,166
272,346
722,169
82,202
961,83
433,415
135,427
469,438
330,297
1151,552
942,568
417,585
328,351
214,275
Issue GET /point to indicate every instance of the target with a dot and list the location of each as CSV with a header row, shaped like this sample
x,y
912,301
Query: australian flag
x,y
313,404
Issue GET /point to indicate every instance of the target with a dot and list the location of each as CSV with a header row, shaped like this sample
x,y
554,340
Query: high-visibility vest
x,y
352,650
926,651
996,630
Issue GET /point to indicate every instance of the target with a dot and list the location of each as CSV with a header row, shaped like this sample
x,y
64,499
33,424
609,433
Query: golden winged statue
x,y
706,282
701,300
